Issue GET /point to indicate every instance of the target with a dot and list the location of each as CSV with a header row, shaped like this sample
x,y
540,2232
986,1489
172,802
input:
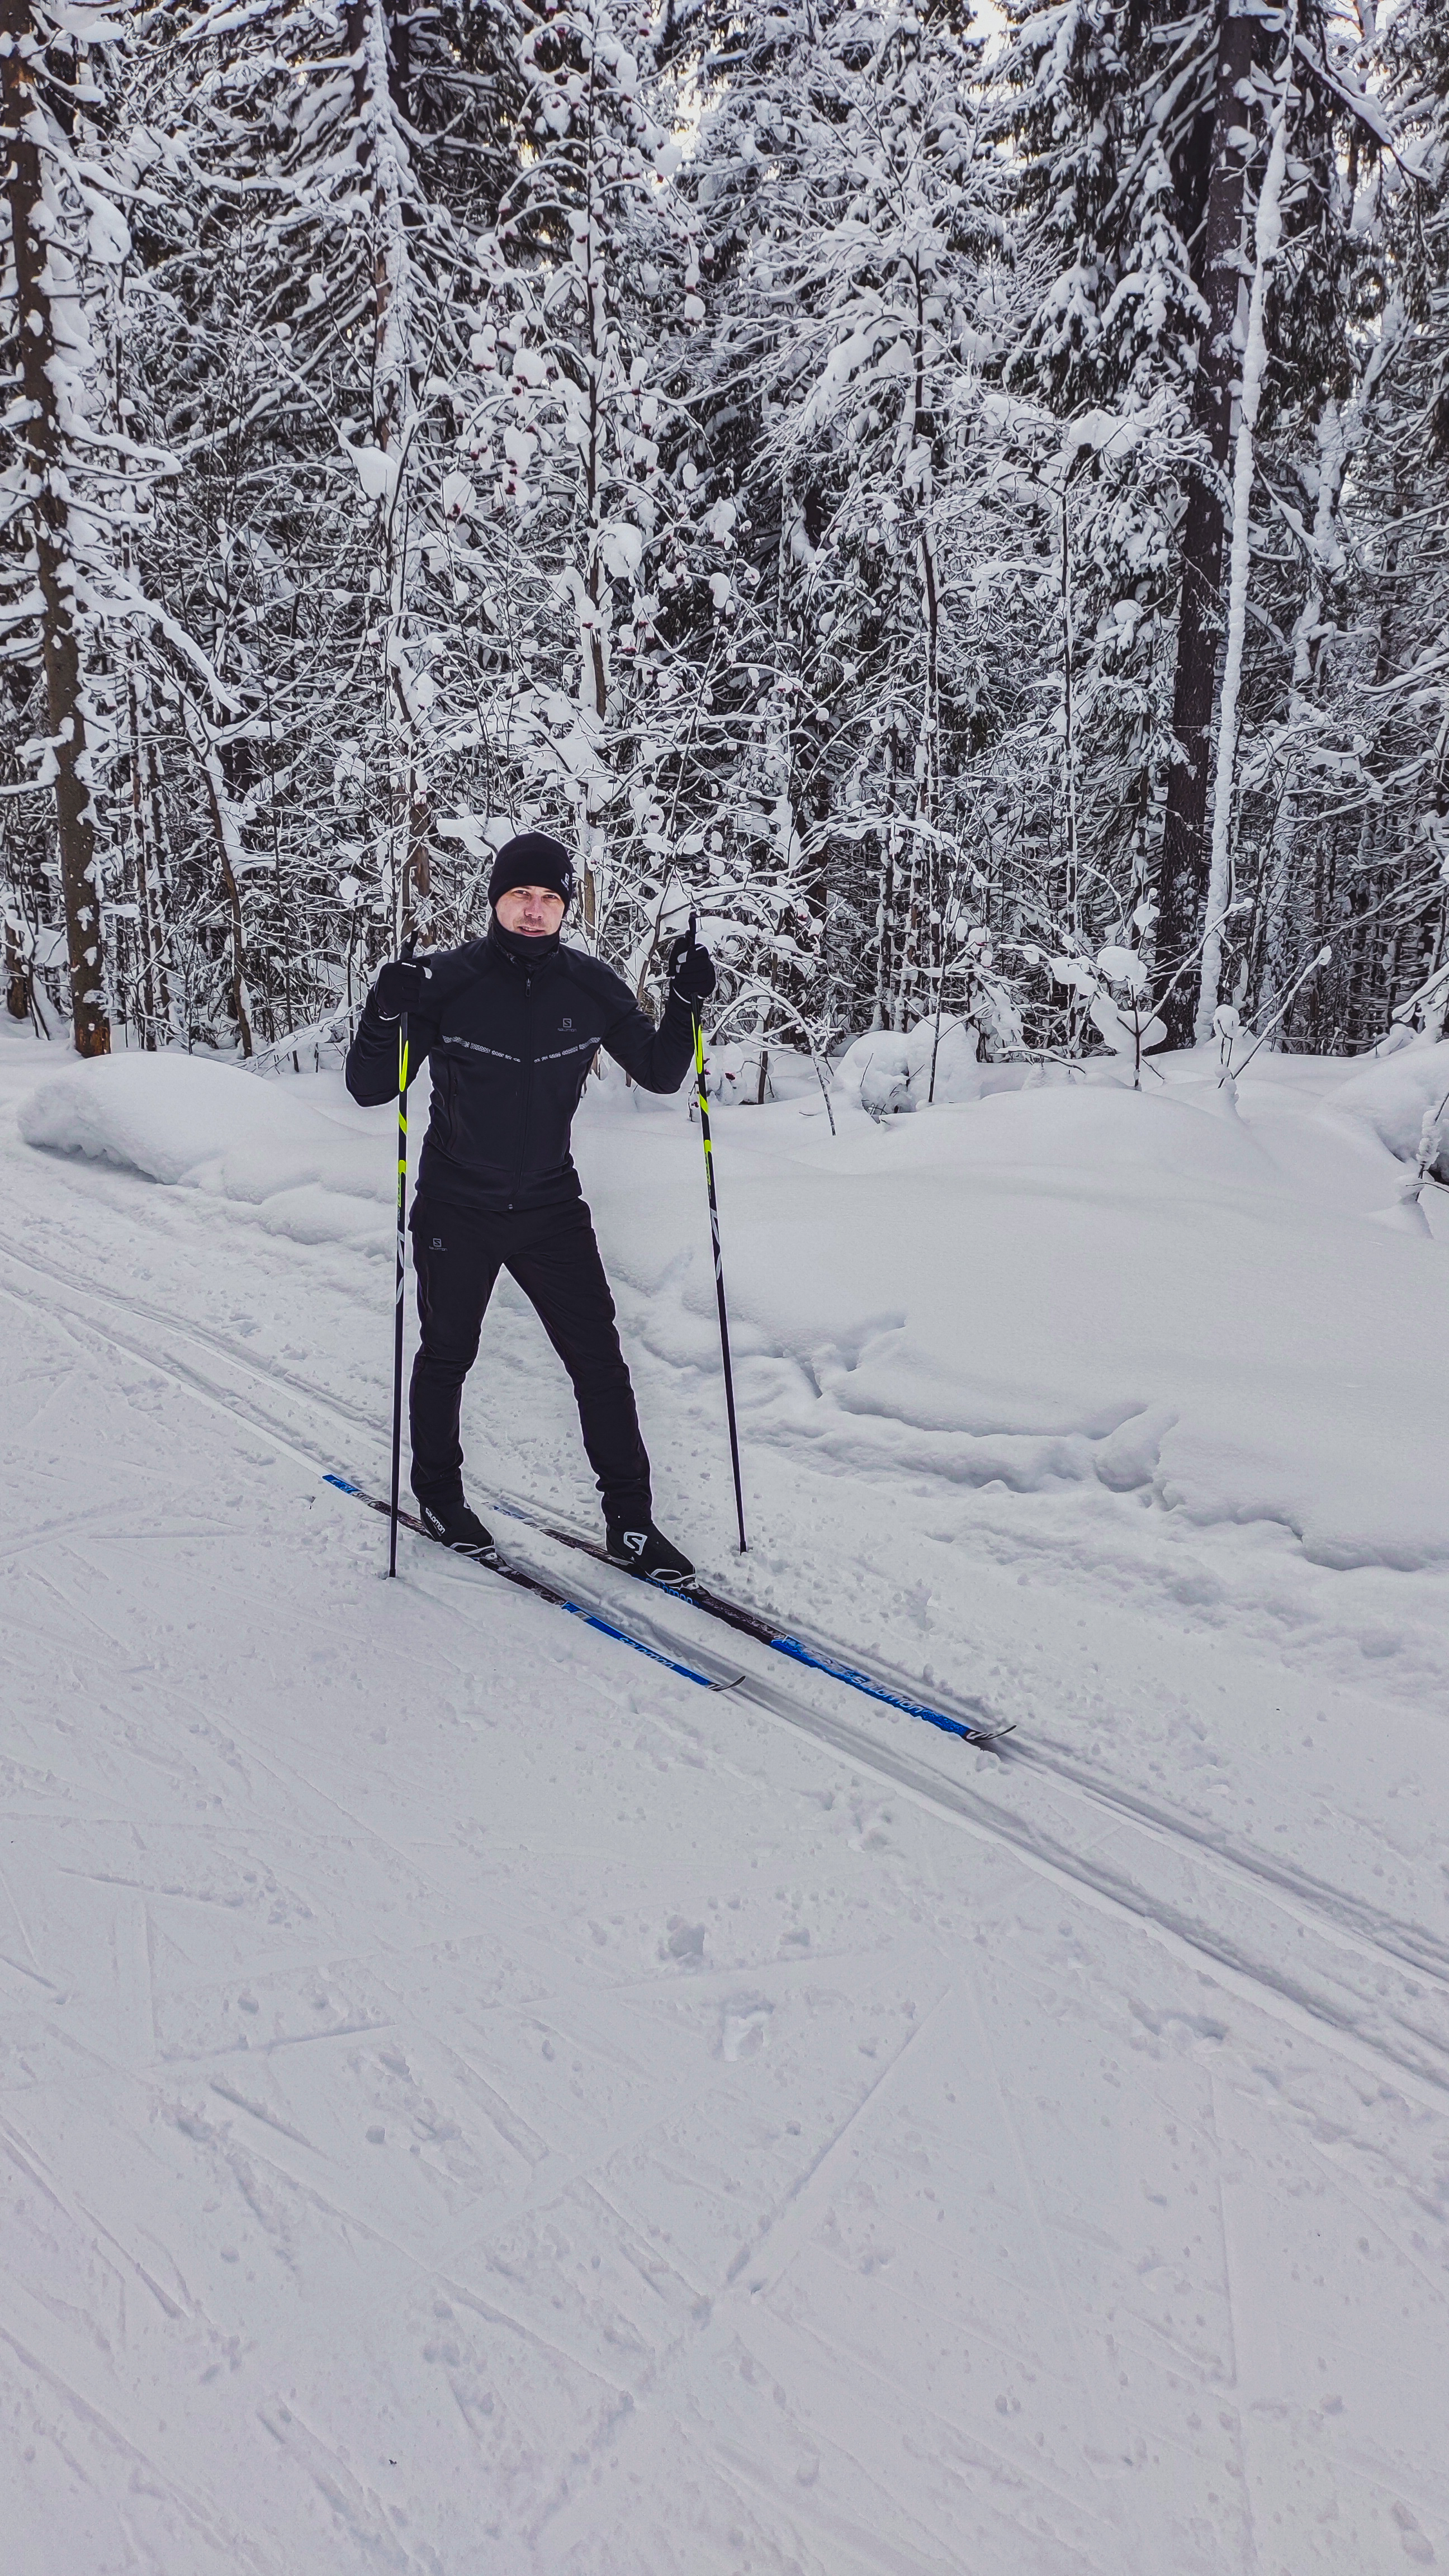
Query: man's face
x,y
530,912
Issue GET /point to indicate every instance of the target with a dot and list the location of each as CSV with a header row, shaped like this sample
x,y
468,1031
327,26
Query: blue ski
x,y
497,1564
984,1729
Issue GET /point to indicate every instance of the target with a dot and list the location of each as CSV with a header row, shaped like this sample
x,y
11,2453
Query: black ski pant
x,y
552,1254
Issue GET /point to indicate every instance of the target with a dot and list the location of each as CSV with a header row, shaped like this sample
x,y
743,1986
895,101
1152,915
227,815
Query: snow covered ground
x,y
473,2101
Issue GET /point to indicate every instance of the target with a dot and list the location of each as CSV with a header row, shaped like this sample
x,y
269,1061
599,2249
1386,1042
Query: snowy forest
x,y
760,1888
958,499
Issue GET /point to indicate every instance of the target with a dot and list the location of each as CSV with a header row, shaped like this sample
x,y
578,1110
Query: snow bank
x,y
189,1122
1394,1094
1058,1288
1067,1286
888,1071
158,1114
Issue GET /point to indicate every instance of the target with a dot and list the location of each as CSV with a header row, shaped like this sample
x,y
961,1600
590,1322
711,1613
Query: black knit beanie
x,y
532,858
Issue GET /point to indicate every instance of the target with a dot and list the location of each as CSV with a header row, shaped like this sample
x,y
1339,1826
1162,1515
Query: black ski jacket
x,y
511,1038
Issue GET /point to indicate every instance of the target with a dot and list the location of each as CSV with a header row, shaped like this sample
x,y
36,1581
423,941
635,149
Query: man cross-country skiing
x,y
512,1023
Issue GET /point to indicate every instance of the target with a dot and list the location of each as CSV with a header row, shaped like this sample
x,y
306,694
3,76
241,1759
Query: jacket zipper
x,y
527,1087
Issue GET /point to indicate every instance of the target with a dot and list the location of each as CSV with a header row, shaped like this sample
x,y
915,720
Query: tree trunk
x,y
43,446
1182,883
378,41
1267,236
150,973
17,976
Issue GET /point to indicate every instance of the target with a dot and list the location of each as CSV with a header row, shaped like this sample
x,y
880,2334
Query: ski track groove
x,y
1335,1911
1108,1890
1232,2295
1129,2538
234,2547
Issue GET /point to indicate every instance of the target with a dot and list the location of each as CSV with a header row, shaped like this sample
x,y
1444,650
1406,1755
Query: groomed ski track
x,y
1391,2037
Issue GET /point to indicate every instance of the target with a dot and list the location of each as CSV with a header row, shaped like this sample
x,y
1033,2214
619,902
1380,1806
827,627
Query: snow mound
x,y
1395,1094
1057,1289
1054,1289
888,1071
158,1114
1096,1130
188,1122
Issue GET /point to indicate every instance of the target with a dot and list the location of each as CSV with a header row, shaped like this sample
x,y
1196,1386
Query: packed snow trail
x,y
1398,2004
1350,1921
472,2098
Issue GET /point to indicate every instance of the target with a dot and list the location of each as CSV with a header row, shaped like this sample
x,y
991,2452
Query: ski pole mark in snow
x,y
359,2508
22,2156
258,2111
784,2231
232,2546
20,1968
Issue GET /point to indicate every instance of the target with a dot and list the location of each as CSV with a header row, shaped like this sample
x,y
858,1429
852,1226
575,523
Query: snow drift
x,y
1076,1285
190,1122
1062,1286
1395,1094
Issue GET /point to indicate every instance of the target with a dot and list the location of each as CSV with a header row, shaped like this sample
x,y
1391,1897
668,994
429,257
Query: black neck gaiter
x,y
521,951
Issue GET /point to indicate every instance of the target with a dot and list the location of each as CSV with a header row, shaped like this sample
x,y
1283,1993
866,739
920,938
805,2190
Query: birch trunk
x,y
1268,231
377,37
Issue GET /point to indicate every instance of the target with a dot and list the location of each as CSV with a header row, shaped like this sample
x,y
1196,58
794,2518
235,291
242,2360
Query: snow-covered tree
x,y
856,218
320,233
1146,132
837,472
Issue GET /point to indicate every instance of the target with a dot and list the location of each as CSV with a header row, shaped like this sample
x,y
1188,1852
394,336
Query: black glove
x,y
691,970
400,988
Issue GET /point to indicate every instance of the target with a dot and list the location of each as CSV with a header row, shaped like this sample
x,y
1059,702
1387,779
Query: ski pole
x,y
719,1286
397,1330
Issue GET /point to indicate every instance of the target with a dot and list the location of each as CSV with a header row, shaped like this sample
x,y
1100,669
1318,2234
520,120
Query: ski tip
x,y
342,1484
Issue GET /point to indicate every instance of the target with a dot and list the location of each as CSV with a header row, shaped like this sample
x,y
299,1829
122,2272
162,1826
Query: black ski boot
x,y
644,1550
454,1525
